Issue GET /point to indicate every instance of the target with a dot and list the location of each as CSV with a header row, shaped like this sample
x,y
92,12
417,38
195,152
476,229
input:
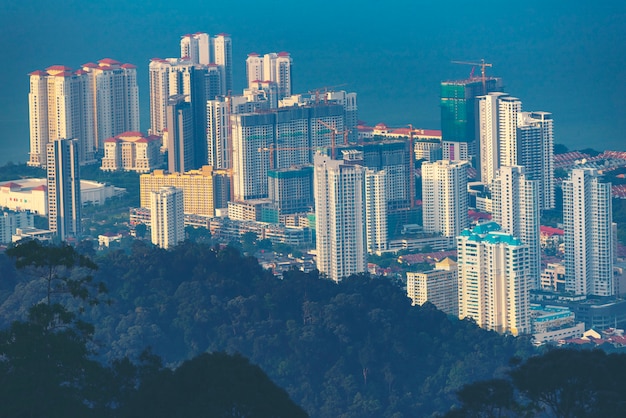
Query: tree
x,y
212,385
55,265
47,358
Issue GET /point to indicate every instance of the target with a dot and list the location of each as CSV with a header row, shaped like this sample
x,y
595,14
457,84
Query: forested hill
x,y
354,349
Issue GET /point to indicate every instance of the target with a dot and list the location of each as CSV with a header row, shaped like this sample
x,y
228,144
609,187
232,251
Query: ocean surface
x,y
568,58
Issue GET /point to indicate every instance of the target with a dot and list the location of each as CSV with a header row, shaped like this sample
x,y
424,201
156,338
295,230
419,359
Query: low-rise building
x,y
10,221
132,151
554,323
438,286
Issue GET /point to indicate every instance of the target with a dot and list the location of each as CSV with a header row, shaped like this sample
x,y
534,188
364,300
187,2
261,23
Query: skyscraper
x,y
115,98
536,145
588,234
167,217
497,126
444,197
272,67
64,202
458,115
197,47
376,210
91,104
223,54
179,135
493,279
339,216
61,106
516,210
168,77
217,130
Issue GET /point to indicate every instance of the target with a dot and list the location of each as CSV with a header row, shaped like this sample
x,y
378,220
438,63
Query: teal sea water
x,y
566,58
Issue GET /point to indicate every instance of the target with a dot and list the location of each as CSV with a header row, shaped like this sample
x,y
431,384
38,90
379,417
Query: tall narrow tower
x,y
340,217
179,135
444,196
223,50
497,131
536,146
588,234
516,210
64,201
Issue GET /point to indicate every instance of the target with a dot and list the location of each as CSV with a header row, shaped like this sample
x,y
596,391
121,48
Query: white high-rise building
x,y
168,77
252,137
376,210
197,47
493,279
115,98
588,234
217,134
444,197
272,67
91,104
64,199
497,132
536,143
223,55
339,217
60,106
516,210
167,217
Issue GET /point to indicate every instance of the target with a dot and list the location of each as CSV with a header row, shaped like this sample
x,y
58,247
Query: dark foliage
x,y
354,349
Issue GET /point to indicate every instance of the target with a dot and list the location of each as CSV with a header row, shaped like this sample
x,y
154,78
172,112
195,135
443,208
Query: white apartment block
x,y
493,279
132,151
168,77
90,104
535,134
218,154
252,136
64,192
116,98
223,55
515,201
438,286
60,106
10,221
588,234
166,217
340,217
197,47
445,197
272,67
497,128
376,210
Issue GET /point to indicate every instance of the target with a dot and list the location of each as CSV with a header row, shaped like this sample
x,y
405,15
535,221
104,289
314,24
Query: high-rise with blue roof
x,y
493,274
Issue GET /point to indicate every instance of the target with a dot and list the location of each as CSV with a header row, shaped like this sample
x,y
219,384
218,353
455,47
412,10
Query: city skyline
x,y
536,61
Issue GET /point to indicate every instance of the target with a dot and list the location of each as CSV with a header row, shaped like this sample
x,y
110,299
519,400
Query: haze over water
x,y
568,59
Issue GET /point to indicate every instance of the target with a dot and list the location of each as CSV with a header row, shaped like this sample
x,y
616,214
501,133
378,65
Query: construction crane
x,y
333,133
482,64
324,90
411,167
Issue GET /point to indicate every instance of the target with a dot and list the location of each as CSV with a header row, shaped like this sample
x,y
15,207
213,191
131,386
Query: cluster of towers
x,y
273,152
500,262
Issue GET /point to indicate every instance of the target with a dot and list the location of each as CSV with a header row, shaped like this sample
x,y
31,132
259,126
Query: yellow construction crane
x,y
333,132
482,64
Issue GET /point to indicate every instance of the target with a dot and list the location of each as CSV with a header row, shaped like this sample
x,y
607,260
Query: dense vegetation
x,y
354,349
48,366
561,383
